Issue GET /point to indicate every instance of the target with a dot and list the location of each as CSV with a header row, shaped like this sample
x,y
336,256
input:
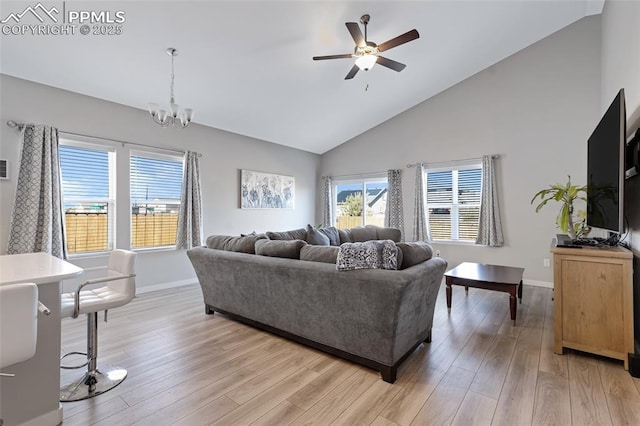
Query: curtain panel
x,y
327,210
420,224
490,225
190,215
394,215
37,221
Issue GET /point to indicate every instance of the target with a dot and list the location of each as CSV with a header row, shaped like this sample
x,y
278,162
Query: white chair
x,y
119,291
19,308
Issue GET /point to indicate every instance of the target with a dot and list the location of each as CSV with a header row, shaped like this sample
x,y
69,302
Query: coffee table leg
x,y
513,306
466,289
520,291
448,296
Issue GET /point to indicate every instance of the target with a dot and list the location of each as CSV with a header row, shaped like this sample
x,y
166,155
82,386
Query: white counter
x,y
32,396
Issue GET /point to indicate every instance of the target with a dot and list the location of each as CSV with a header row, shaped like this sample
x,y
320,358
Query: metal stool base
x,y
93,384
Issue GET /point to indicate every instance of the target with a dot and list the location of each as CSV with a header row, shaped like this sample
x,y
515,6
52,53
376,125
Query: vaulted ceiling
x,y
246,67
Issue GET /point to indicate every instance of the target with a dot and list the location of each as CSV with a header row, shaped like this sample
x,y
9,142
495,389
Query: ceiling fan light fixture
x,y
366,62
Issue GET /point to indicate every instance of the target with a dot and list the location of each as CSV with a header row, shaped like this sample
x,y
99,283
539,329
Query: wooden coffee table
x,y
488,277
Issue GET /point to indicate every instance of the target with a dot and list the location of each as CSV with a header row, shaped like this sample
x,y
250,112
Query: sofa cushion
x,y
296,234
244,244
289,249
414,253
388,233
332,233
316,237
345,236
367,255
363,233
324,254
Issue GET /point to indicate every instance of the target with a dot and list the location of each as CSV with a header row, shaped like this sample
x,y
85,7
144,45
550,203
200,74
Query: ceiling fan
x,y
366,52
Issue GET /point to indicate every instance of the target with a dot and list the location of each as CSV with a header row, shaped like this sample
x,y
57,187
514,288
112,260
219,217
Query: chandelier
x,y
175,115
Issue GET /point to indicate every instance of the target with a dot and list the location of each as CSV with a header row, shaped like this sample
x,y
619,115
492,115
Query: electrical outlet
x,y
546,263
437,253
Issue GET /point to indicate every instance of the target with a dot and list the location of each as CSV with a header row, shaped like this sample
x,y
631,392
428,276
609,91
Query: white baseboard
x,y
164,286
534,283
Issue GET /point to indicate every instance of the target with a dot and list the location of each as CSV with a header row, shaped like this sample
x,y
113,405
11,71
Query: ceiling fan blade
x,y
389,63
320,58
397,41
354,70
356,33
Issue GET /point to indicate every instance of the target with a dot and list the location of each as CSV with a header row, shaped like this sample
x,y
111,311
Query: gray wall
x,y
535,109
224,154
621,68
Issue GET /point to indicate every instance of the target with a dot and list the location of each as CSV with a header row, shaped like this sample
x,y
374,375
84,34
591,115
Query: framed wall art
x,y
266,191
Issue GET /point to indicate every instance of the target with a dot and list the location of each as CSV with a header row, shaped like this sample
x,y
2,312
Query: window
x,y
156,183
360,202
88,196
453,202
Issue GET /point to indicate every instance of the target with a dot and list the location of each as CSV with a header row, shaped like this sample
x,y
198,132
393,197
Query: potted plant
x,y
575,226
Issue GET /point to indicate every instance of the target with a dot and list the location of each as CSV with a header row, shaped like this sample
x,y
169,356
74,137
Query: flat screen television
x,y
605,169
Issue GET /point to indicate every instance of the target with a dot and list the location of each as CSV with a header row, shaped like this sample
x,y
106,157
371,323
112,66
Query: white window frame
x,y
86,143
352,181
158,156
455,205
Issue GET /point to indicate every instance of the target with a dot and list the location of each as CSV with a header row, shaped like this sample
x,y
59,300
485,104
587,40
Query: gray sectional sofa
x,y
375,317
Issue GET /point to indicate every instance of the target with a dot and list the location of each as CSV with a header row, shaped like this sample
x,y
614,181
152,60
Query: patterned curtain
x,y
394,215
37,222
420,225
190,215
327,211
490,226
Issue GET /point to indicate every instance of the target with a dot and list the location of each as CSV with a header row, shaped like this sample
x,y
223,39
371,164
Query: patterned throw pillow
x,y
376,254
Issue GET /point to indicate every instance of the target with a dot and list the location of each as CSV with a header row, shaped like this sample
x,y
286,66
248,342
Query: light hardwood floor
x,y
188,368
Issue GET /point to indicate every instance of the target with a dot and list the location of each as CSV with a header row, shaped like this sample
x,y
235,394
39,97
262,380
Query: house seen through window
x,y
360,202
453,202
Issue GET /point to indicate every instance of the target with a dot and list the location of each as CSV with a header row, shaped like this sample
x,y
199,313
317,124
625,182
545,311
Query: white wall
x,y
224,154
535,109
621,68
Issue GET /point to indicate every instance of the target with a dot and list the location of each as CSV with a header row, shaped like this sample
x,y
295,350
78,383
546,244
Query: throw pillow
x,y
345,236
324,254
367,255
414,253
289,249
332,233
237,244
316,237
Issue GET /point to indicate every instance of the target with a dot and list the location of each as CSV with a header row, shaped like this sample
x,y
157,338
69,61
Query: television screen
x,y
605,169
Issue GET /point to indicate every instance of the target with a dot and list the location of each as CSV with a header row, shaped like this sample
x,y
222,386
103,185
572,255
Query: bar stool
x,y
119,291
19,308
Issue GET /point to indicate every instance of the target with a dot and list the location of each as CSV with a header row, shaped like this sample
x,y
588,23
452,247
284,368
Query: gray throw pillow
x,y
332,233
345,236
367,255
296,234
289,249
414,253
324,254
316,237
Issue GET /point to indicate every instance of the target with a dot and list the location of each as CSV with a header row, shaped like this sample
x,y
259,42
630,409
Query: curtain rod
x,y
358,175
20,126
452,162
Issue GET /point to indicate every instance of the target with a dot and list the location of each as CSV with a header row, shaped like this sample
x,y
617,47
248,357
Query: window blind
x,y
156,185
